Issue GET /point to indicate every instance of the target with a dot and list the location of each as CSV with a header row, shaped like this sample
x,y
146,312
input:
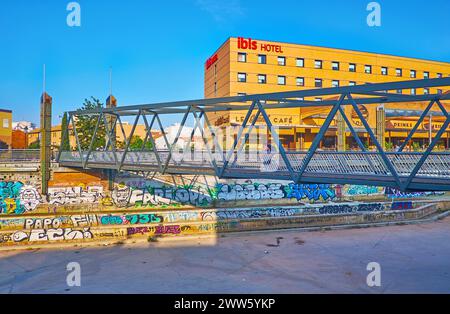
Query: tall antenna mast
x,y
110,81
43,84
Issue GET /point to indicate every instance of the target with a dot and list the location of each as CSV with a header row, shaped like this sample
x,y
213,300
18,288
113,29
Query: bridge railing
x,y
322,162
18,155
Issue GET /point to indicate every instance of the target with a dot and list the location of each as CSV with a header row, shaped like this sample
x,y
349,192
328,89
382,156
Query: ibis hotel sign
x,y
250,44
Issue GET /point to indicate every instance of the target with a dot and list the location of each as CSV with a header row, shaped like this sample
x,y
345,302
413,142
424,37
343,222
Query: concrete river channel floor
x,y
413,259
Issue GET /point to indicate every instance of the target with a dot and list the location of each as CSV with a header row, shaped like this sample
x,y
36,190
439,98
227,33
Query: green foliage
x,y
65,144
389,146
35,145
415,146
86,126
137,143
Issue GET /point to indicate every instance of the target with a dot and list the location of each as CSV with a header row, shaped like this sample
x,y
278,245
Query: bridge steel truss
x,y
406,171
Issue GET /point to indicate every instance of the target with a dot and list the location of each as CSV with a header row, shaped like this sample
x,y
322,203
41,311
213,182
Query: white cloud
x,y
222,10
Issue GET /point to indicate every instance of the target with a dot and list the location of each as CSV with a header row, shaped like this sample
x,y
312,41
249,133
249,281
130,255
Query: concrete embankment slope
x,y
93,228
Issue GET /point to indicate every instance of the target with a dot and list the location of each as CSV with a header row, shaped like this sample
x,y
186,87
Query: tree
x,y
65,144
35,145
136,144
86,125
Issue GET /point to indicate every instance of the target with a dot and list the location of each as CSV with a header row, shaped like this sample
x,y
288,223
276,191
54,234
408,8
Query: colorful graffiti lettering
x,y
402,205
75,195
17,198
131,219
249,192
311,192
124,196
346,209
52,235
352,190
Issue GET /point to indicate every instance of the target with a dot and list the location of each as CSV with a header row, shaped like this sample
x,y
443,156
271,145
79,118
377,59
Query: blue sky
x,y
157,48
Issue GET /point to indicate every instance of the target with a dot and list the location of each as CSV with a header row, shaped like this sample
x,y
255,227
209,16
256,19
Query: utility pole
x,y
45,133
111,102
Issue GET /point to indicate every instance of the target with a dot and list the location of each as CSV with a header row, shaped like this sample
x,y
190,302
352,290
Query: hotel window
x,y
262,79
318,64
6,123
242,94
368,69
318,99
300,81
413,91
352,67
399,91
281,80
351,83
300,62
282,61
300,98
439,75
318,82
412,73
215,70
384,71
398,72
215,88
335,66
426,75
242,77
334,83
426,91
262,59
439,91
242,57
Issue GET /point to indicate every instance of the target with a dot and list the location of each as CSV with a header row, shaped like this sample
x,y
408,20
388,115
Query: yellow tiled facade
x,y
248,66
5,128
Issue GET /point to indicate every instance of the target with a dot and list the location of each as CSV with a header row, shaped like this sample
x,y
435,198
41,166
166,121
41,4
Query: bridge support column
x,y
381,125
45,142
340,123
111,102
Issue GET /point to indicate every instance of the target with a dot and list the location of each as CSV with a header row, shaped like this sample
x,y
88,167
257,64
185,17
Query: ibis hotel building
x,y
243,66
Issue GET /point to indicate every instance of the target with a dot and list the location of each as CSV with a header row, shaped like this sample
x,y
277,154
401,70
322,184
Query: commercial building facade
x,y
243,66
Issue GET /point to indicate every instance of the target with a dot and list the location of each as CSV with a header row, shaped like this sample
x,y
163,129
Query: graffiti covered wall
x,y
18,198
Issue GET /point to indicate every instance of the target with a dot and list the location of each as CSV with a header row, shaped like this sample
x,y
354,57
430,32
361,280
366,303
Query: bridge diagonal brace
x,y
111,141
247,134
128,140
380,149
416,126
214,136
91,145
320,135
147,128
277,141
205,142
430,147
148,135
357,139
113,127
235,142
170,147
75,132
